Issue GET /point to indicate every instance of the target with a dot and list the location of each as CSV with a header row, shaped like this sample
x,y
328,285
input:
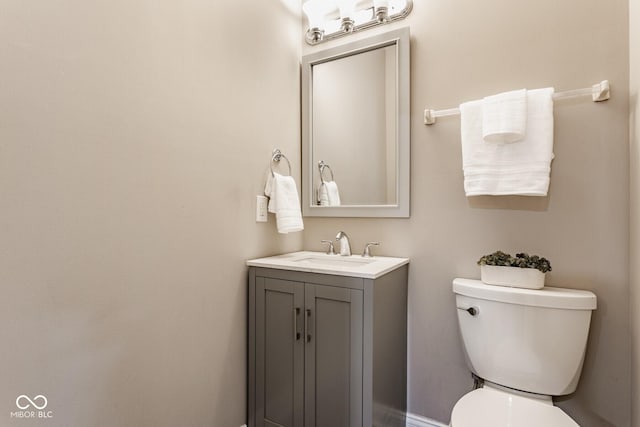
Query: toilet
x,y
526,346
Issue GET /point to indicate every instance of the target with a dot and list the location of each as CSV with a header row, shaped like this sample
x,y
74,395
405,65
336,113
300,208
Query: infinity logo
x,y
23,397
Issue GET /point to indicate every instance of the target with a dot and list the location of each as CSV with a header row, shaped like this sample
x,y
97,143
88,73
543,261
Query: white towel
x,y
521,168
504,116
284,202
329,194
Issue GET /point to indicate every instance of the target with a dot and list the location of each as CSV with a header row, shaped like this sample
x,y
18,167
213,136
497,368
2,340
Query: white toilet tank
x,y
529,340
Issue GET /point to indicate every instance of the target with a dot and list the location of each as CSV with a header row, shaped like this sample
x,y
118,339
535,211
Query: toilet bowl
x,y
527,345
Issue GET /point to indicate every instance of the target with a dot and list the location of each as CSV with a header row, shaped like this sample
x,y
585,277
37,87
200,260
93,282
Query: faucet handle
x,y
330,250
367,253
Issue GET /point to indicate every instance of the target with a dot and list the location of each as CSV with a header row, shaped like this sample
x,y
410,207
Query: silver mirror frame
x,y
400,39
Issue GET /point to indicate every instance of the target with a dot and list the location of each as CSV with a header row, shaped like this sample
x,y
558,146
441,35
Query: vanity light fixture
x,y
329,19
347,12
316,10
381,8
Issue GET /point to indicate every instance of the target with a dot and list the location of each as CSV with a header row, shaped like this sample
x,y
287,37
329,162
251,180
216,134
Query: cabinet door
x,y
279,353
333,356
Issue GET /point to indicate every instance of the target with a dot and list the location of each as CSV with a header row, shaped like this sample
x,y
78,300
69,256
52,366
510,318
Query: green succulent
x,y
521,260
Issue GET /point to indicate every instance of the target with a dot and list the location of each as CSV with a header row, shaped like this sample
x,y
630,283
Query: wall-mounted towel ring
x,y
276,157
321,166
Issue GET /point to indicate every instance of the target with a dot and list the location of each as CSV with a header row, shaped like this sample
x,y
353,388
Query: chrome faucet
x,y
345,247
367,252
330,250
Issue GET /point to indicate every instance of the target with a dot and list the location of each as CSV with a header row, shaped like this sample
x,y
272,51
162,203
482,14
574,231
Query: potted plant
x,y
521,271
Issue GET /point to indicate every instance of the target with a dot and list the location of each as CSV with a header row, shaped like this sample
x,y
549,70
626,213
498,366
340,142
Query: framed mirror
x,y
355,128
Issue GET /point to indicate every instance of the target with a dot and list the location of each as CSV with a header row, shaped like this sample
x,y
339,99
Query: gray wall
x,y
134,136
634,141
463,50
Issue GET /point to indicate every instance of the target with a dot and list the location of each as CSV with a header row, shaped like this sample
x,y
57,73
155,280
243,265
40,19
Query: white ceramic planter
x,y
514,277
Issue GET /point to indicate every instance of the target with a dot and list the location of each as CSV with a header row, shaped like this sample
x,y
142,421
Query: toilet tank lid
x,y
571,299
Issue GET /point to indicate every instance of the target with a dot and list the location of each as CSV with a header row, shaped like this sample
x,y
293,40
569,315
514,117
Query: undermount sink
x,y
319,262
336,260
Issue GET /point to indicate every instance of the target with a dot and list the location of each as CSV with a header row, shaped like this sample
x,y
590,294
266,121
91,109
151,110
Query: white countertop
x,y
319,262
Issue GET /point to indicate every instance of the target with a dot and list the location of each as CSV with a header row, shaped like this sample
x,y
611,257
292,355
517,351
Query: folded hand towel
x,y
284,202
503,169
328,194
504,116
323,195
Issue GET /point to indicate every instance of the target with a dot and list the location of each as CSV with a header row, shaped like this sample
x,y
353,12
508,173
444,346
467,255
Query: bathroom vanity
x,y
327,341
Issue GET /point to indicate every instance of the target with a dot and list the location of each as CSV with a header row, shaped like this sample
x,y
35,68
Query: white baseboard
x,y
418,421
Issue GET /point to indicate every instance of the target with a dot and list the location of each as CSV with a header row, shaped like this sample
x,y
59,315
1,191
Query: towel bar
x,y
276,156
599,92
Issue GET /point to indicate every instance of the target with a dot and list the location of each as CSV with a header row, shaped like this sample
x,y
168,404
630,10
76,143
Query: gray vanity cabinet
x,y
314,341
333,356
279,359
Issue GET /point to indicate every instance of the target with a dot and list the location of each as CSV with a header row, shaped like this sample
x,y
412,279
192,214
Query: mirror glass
x,y
356,128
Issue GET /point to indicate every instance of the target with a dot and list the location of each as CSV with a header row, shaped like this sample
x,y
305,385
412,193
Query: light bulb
x,y
396,6
316,10
347,8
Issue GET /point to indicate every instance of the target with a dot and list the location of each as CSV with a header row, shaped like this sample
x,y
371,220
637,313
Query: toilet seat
x,y
490,407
